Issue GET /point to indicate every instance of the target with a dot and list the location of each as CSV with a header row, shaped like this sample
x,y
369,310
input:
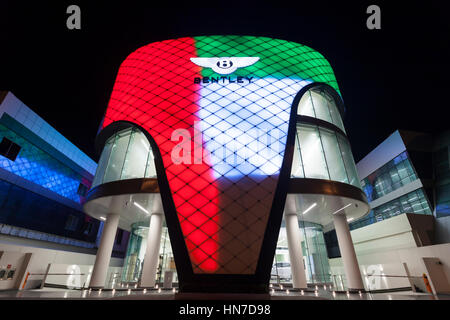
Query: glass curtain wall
x,y
413,202
391,176
135,253
323,154
317,103
314,252
126,155
134,259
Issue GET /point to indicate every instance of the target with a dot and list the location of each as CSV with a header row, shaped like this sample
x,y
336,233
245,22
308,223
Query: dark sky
x,y
393,78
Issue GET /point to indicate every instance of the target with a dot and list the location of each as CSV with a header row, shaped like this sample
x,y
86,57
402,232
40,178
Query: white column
x,y
151,257
104,251
351,267
294,244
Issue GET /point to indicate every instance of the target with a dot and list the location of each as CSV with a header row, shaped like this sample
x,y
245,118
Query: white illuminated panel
x,y
245,126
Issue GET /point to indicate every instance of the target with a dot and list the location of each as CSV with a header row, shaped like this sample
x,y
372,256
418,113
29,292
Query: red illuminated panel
x,y
154,88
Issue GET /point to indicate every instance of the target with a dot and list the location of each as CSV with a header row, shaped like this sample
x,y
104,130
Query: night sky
x,y
393,78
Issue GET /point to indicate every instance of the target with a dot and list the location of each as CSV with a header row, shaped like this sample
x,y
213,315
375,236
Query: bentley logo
x,y
225,65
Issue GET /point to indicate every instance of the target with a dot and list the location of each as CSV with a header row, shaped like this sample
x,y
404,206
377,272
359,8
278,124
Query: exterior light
x,y
102,218
312,206
302,292
135,286
350,219
281,286
272,291
159,290
140,207
174,290
129,291
156,286
287,291
99,291
342,208
317,288
324,287
113,291
145,290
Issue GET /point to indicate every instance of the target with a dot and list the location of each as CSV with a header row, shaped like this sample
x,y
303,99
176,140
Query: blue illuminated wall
x,y
39,167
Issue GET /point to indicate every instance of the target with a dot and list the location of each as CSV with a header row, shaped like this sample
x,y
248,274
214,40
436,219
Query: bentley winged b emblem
x,y
225,65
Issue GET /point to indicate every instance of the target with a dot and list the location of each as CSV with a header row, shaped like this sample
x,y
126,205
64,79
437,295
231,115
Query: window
x,y
318,103
9,149
126,155
320,153
391,176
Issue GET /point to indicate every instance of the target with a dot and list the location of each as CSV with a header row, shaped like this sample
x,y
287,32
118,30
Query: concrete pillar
x,y
104,251
151,257
351,267
294,244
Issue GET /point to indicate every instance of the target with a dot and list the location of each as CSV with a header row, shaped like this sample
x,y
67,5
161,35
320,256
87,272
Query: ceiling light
x,y
350,219
342,208
140,207
312,206
102,218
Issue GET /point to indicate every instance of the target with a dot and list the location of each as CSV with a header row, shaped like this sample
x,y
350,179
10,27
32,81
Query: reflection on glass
x,y
413,202
314,252
126,155
312,152
134,260
320,153
318,103
391,176
333,156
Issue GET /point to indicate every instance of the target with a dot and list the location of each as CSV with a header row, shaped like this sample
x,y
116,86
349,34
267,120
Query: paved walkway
x,y
139,294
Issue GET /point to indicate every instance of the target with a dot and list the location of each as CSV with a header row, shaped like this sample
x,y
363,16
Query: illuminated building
x,y
218,136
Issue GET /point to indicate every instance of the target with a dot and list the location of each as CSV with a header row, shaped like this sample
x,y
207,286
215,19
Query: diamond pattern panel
x,y
39,167
223,202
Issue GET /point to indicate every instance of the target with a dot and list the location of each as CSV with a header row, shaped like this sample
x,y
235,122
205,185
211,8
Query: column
x,y
151,257
294,244
104,251
351,267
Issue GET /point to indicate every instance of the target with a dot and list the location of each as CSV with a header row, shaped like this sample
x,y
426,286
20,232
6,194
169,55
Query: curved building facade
x,y
218,136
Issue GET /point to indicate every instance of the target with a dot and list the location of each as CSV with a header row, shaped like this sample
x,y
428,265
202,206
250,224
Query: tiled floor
x,y
51,294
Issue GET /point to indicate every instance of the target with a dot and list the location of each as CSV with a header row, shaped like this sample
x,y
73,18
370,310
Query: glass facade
x,y
319,104
39,167
413,202
391,176
134,259
323,154
126,155
314,253
25,209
